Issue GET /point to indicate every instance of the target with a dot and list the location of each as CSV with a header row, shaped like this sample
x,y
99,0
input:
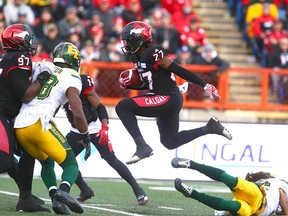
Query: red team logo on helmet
x,y
134,35
19,37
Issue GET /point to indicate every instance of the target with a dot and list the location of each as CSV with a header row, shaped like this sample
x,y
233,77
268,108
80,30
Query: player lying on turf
x,y
97,118
164,100
261,197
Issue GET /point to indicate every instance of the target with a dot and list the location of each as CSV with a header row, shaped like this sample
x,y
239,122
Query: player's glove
x,y
43,77
86,142
103,133
212,91
125,82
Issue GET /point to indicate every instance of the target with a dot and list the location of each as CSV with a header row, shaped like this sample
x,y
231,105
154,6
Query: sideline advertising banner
x,y
254,147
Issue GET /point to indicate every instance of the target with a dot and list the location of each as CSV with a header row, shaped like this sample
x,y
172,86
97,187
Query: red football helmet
x,y
19,37
134,35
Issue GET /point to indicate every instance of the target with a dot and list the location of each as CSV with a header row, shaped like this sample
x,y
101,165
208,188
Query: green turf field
x,y
115,197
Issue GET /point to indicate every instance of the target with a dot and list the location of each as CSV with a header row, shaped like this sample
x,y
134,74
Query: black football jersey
x,y
15,71
89,111
159,80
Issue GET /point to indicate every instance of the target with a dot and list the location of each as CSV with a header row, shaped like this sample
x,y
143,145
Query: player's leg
x,y
212,172
53,144
127,110
85,191
6,144
213,202
107,153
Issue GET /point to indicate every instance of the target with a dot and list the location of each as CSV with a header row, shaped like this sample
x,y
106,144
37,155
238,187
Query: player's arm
x,y
95,101
24,89
283,202
77,110
167,64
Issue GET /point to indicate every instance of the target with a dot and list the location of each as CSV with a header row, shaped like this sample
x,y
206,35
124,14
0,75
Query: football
x,y
133,76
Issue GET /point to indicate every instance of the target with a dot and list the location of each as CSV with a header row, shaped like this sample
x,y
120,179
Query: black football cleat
x,y
182,187
215,127
85,195
27,205
65,198
141,196
142,199
37,200
180,163
142,152
60,208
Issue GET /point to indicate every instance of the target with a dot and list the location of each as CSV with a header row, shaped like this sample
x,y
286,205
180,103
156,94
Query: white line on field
x,y
86,206
170,208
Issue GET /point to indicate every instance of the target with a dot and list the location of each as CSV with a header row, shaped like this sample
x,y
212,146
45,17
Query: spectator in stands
x,y
52,39
279,60
172,6
184,55
118,25
110,53
156,16
167,35
2,16
37,6
95,30
209,56
88,52
41,54
272,38
75,39
182,17
149,6
11,12
194,36
40,29
107,14
71,24
84,7
133,12
260,26
255,10
57,9
22,18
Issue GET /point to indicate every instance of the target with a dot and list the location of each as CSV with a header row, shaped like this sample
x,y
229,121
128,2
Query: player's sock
x,y
215,202
70,168
186,136
140,141
48,174
215,174
81,183
122,170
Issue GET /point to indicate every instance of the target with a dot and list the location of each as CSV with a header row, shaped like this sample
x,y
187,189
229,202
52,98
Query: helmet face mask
x,y
19,37
67,53
134,36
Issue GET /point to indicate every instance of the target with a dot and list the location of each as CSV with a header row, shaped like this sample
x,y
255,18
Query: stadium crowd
x,y
94,26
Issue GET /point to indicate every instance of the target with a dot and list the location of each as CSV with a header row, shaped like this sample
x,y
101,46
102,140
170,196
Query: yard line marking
x,y
170,208
86,206
203,189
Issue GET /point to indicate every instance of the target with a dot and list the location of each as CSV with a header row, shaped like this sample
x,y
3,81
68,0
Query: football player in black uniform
x,y
15,87
97,118
164,101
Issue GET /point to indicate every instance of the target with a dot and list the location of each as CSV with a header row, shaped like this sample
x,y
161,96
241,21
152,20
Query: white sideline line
x,y
86,206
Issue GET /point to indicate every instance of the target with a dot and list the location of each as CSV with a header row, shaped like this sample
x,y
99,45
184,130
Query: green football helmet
x,y
68,54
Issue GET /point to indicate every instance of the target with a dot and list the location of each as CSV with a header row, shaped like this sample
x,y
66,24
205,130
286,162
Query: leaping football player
x,y
157,71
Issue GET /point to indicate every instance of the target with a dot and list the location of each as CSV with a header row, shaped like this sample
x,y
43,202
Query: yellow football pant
x,y
43,144
249,195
